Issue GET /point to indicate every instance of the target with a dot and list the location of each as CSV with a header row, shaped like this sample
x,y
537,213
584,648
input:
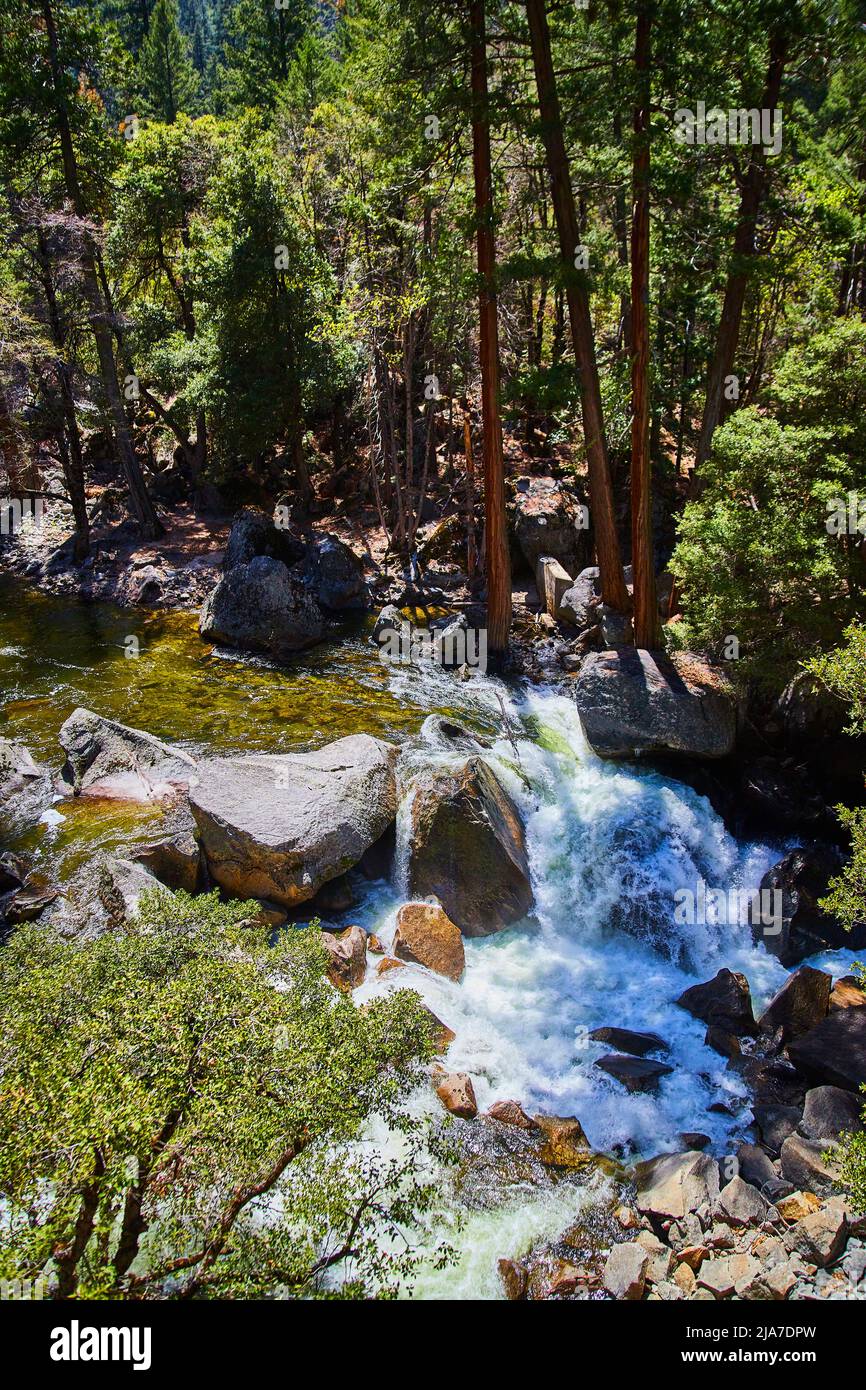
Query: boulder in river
x,y
254,533
834,1052
635,703
105,758
468,849
635,1073
725,1001
800,880
799,1005
347,957
278,826
426,936
457,1094
261,607
626,1040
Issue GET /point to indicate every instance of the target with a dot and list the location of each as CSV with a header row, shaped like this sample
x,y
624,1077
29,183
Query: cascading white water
x,y
609,846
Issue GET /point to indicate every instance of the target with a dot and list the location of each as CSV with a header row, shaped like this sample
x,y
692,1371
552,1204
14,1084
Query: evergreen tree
x,y
167,76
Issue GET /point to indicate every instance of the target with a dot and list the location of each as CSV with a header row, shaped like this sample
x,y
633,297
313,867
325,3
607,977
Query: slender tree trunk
x,y
611,576
71,458
752,190
471,546
142,506
497,558
647,628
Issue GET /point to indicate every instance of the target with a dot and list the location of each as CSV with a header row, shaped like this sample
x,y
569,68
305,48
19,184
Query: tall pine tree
x,y
168,79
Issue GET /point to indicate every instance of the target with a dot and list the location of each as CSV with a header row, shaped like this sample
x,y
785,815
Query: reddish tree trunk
x,y
647,628
498,565
611,576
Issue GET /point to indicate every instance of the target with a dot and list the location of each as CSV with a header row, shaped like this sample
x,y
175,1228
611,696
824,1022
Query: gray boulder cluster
x,y
278,591
284,829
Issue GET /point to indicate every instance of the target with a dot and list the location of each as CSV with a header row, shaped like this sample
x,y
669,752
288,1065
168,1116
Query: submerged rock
x,y
468,849
278,826
634,703
25,786
635,1073
105,758
625,1040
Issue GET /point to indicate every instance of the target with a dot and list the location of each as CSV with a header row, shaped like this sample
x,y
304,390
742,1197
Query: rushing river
x,y
609,846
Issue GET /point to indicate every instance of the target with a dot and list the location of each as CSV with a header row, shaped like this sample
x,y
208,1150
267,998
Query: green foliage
x,y
846,895
755,558
174,1102
843,671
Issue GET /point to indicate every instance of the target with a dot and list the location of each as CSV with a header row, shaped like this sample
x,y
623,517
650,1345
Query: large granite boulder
x,y
829,1112
25,786
672,1185
834,1052
335,575
468,849
547,520
105,758
634,703
278,826
254,533
800,880
578,604
799,1005
261,607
